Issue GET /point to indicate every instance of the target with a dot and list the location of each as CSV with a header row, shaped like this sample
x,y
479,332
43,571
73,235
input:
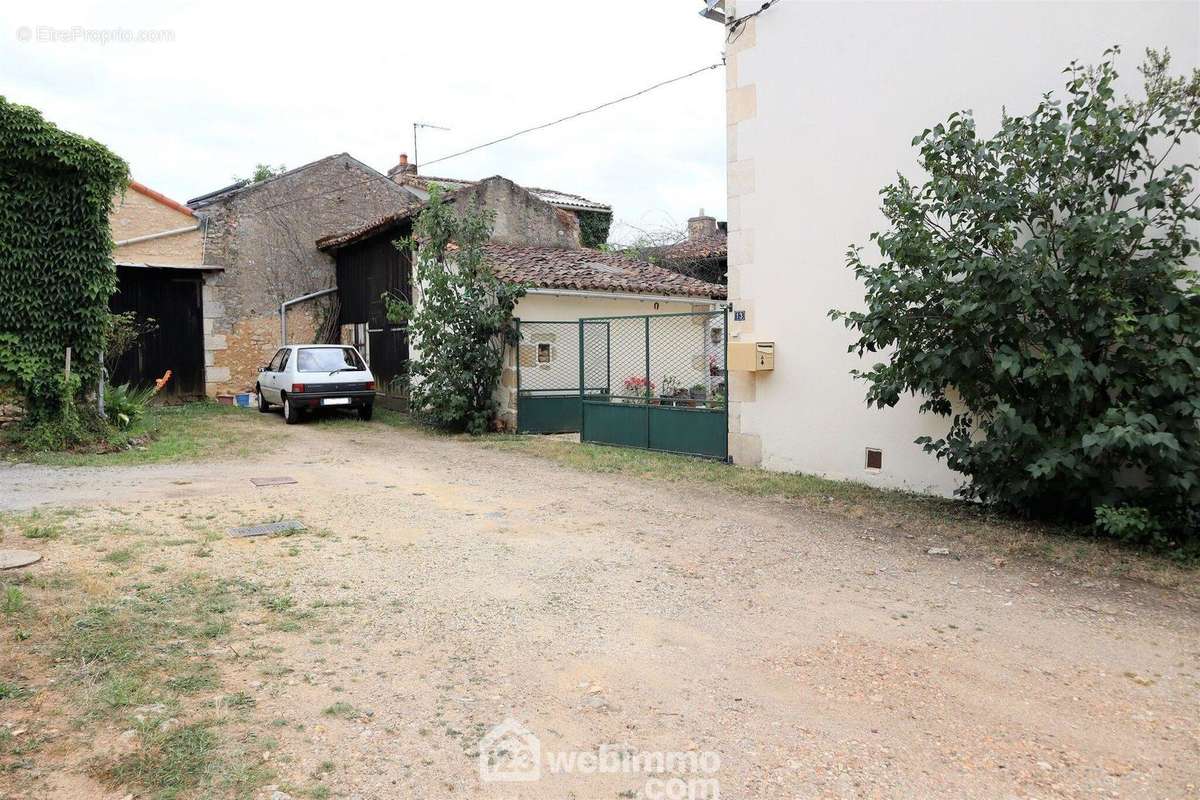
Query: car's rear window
x,y
327,359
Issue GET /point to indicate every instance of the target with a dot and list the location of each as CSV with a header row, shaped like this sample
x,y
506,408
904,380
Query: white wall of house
x,y
823,101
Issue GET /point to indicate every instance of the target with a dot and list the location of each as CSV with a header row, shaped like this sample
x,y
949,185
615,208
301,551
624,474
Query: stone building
x,y
535,242
262,235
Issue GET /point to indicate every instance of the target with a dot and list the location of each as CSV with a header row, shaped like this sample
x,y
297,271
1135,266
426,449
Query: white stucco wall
x,y
823,102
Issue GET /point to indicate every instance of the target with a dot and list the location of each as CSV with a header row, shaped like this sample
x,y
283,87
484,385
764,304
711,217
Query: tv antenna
x,y
416,125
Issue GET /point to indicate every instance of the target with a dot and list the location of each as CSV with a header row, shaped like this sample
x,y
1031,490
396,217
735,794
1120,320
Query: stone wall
x,y
264,238
521,218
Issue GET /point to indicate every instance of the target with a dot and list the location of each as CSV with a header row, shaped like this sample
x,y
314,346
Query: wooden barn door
x,y
172,299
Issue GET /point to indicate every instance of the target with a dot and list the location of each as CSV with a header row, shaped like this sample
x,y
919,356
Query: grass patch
x,y
167,763
278,603
10,691
197,679
12,600
343,710
120,557
188,432
146,651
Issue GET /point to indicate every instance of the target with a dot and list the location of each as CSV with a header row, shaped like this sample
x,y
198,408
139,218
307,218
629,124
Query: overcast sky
x,y
240,83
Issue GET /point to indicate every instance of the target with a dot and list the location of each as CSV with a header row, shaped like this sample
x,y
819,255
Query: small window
x,y
874,458
543,356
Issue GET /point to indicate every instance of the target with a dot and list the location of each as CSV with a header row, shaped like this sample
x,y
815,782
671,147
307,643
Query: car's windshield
x,y
327,359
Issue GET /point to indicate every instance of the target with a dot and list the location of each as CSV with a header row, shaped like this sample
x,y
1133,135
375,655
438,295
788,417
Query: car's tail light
x,y
370,386
297,388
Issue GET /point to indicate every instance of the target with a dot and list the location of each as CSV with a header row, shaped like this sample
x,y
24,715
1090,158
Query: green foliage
x,y
593,227
13,600
1034,290
1128,524
56,269
122,334
126,404
263,172
463,320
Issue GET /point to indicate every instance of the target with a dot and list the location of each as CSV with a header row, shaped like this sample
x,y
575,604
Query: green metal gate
x,y
549,379
667,378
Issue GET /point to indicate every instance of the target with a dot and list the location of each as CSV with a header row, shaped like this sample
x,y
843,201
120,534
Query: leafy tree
x,y
1035,290
263,172
461,321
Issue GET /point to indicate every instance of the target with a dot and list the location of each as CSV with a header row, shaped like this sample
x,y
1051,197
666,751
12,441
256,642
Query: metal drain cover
x,y
11,559
266,530
280,481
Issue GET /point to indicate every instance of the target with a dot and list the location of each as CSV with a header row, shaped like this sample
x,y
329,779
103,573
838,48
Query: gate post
x,y
582,387
517,354
725,372
646,399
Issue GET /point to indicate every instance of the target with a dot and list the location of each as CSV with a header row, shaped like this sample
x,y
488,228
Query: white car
x,y
303,377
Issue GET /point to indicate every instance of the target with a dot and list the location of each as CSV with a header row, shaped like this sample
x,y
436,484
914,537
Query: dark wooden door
x,y
366,271
172,299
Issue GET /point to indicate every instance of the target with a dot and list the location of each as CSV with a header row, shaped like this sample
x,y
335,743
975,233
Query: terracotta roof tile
x,y
591,270
698,249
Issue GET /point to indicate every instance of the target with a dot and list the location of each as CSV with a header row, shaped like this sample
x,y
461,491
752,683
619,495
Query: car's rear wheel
x,y
291,414
365,412
263,405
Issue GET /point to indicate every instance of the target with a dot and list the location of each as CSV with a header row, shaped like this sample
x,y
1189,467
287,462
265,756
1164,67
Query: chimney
x,y
701,226
403,168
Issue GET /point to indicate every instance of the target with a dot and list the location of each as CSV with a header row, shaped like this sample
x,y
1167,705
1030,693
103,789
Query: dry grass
x,y
101,655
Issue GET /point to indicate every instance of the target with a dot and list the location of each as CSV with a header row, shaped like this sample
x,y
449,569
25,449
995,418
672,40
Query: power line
x,y
544,125
737,25
577,114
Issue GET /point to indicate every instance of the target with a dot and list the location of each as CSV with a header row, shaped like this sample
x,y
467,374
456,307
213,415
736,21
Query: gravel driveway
x,y
810,656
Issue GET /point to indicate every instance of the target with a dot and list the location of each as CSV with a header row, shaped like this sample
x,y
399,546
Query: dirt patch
x,y
441,589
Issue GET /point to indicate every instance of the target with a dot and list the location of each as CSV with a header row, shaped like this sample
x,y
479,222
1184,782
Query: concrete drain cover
x,y
266,530
280,481
11,559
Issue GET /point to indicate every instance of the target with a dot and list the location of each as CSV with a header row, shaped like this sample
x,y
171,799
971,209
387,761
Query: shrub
x,y
126,404
463,321
1035,291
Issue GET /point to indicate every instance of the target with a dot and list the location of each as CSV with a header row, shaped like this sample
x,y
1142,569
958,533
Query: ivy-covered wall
x,y
593,227
56,269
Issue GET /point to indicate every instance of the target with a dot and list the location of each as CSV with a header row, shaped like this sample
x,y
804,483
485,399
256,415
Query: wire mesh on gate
x,y
668,359
549,357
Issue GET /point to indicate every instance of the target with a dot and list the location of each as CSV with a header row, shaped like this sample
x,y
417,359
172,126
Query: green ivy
x,y
56,268
593,227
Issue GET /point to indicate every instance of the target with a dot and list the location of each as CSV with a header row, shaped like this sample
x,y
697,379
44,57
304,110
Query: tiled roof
x,y
160,198
335,241
591,270
697,249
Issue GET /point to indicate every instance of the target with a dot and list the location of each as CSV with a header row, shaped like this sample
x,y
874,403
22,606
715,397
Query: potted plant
x,y
670,390
714,368
638,389
699,392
